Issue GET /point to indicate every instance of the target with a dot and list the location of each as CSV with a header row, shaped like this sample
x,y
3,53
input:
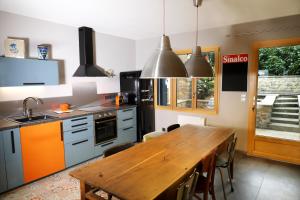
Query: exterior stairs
x,y
285,114
260,97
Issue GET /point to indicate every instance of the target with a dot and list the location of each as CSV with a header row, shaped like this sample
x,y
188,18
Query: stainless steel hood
x,y
87,66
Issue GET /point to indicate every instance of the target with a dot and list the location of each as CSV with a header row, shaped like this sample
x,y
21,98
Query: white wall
x,y
112,53
232,40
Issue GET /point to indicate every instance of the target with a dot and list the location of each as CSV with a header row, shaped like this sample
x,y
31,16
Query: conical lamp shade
x,y
164,63
197,65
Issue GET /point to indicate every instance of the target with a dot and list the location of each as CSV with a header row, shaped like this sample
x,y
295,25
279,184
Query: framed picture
x,y
15,48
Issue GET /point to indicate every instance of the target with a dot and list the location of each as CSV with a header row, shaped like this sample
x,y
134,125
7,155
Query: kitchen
x,y
116,53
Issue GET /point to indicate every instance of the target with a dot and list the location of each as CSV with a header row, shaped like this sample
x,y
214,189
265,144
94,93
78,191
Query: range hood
x,y
87,65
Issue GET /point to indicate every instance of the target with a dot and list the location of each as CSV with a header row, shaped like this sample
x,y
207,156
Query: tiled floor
x,y
255,179
278,134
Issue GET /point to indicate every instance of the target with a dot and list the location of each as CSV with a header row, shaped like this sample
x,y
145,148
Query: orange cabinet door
x,y
42,150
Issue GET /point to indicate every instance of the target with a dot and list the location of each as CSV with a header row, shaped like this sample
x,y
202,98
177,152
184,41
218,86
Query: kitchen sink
x,y
33,118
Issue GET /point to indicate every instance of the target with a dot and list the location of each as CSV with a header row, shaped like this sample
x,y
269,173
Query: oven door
x,y
105,129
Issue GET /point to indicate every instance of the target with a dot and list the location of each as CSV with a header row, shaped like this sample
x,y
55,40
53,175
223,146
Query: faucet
x,y
28,111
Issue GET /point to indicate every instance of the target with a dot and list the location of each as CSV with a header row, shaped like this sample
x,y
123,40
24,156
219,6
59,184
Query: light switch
x,y
243,97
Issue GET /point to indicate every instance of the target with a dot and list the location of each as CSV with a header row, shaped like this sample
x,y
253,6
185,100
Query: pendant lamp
x,y
164,62
197,65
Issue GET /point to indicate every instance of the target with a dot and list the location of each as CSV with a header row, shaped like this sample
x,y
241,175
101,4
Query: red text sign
x,y
235,58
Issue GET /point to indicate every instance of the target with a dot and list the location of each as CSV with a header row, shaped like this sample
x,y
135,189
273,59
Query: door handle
x,y
253,103
103,145
12,137
124,129
127,119
77,119
79,131
73,126
79,142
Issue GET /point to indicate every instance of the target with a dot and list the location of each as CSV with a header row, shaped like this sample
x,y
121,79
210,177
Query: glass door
x,y
274,125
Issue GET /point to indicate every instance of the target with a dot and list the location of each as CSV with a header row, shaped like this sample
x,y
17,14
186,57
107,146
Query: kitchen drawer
x,y
127,122
79,151
126,113
78,134
128,134
77,122
100,148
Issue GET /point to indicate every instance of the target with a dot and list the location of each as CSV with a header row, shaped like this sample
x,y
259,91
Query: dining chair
x,y
186,190
91,195
116,149
227,162
205,183
173,127
151,135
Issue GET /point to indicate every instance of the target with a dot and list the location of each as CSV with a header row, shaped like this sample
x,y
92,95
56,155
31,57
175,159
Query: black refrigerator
x,y
139,92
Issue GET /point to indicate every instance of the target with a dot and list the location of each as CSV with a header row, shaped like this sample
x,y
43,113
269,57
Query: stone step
x,y
285,115
285,127
287,96
286,104
285,120
286,100
286,109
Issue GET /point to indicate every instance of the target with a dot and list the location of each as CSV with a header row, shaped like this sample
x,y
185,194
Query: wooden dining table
x,y
148,170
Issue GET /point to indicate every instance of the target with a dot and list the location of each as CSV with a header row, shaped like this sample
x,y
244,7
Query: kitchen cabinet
x,y
11,171
21,72
78,139
42,150
126,124
3,181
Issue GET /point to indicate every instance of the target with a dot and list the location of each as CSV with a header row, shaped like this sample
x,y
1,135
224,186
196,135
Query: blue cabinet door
x,y
13,157
3,182
19,72
79,151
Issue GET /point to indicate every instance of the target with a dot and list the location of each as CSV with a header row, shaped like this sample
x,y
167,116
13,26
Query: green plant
x,y
205,88
280,61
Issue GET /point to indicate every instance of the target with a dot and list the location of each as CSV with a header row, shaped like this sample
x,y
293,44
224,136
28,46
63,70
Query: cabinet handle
x,y
127,119
61,132
79,142
127,110
103,145
79,125
79,131
12,137
34,83
77,119
124,129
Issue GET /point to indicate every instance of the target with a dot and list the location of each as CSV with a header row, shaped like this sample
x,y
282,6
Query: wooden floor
x,y
255,179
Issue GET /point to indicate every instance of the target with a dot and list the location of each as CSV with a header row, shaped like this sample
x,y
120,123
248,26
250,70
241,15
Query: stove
x,y
105,123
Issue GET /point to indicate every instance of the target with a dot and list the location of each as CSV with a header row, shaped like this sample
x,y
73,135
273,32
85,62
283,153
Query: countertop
x,y
9,124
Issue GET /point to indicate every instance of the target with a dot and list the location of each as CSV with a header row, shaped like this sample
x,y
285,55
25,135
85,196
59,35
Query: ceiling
x,y
138,19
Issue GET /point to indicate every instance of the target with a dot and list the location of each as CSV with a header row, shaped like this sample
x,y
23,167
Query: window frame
x,y
194,108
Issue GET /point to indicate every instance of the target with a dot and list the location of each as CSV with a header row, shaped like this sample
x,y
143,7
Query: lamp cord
x,y
197,26
164,17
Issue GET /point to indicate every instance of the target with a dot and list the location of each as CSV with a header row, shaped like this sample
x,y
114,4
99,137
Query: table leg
x,y
84,188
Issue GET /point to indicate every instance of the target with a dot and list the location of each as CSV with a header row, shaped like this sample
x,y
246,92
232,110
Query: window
x,y
190,94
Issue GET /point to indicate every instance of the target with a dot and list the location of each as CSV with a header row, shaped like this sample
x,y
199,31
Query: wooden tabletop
x,y
146,170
